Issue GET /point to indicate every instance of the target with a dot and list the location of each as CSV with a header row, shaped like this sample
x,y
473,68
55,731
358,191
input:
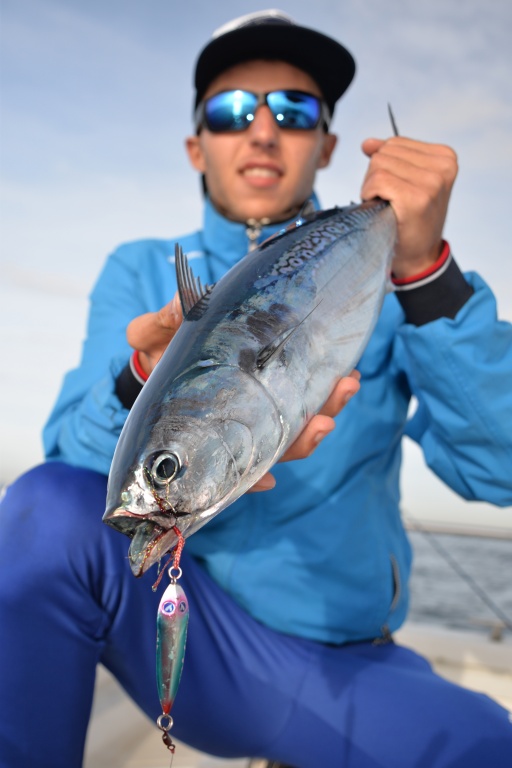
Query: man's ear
x,y
195,153
329,144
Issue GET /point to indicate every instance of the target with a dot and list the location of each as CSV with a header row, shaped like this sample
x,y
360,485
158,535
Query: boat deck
x,y
120,736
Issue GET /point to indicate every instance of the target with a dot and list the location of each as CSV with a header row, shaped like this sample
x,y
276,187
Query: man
x,y
293,593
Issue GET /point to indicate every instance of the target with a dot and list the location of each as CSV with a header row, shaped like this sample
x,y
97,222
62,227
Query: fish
x,y
257,355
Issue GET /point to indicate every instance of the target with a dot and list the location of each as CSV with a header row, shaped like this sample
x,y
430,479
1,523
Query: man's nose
x,y
264,130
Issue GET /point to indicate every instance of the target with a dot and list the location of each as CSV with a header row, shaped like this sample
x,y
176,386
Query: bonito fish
x,y
255,358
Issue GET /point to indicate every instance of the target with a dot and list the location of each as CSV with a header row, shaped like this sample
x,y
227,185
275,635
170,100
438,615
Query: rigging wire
x,y
460,571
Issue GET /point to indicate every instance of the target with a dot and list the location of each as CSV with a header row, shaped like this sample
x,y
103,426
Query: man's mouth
x,y
261,172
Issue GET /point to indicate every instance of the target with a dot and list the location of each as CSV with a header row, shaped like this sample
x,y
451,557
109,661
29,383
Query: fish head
x,y
186,471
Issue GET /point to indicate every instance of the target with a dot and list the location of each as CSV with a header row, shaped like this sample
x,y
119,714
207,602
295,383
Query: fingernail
x,y
174,313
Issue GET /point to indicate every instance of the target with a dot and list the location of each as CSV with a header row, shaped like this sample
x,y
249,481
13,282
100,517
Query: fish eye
x,y
164,467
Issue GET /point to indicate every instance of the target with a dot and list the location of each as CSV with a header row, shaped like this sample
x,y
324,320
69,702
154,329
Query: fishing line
x,y
460,571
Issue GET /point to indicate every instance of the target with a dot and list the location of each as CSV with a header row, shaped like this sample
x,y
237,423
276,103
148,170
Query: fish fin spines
x,y
193,295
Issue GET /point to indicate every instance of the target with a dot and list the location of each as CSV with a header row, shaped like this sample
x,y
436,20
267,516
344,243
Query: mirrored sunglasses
x,y
235,110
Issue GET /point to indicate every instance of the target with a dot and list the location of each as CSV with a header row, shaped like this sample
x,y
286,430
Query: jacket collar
x,y
226,242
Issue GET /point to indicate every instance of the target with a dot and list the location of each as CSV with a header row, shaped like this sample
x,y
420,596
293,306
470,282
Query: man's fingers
x,y
401,144
317,428
323,423
151,333
404,155
312,434
346,388
416,177
370,146
265,483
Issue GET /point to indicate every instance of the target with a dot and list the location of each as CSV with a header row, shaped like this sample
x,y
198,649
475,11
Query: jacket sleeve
x,y
87,418
460,371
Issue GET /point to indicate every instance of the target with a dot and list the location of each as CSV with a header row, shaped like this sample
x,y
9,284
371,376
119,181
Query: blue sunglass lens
x,y
294,109
230,111
235,110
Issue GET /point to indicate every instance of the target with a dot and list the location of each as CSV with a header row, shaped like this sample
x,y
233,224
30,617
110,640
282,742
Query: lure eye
x,y
164,467
169,607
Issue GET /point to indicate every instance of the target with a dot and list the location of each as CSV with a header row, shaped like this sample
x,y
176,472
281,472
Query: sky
x,y
95,102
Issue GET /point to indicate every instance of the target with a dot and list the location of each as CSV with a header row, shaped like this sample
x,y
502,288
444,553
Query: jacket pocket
x,y
397,583
386,636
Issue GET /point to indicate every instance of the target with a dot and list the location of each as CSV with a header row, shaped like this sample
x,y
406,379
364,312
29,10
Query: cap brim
x,y
324,59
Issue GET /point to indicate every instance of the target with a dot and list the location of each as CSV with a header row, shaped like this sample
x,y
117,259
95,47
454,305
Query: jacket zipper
x,y
253,231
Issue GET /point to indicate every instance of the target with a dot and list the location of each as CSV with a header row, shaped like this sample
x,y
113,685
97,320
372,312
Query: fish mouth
x,y
151,539
149,544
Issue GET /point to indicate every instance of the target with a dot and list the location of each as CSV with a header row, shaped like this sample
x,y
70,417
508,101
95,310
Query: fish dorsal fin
x,y
193,295
266,354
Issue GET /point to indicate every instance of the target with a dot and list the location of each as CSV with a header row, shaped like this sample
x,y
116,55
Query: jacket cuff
x,y
439,291
130,381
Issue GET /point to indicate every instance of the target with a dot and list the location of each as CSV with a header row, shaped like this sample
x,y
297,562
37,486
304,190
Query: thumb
x,y
171,316
152,332
370,146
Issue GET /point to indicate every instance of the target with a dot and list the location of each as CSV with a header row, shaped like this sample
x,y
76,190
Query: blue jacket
x,y
324,555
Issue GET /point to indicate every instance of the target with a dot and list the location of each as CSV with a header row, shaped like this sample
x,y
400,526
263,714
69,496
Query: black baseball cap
x,y
273,34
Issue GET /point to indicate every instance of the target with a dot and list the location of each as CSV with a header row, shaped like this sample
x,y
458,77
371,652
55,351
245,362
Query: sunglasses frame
x,y
261,100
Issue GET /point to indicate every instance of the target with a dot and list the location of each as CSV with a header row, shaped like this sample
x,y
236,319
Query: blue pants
x,y
68,601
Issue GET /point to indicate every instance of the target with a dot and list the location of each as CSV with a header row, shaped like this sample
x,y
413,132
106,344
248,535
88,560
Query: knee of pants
x,y
49,517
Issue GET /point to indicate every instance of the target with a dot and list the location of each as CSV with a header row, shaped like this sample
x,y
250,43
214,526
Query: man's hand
x,y
317,428
152,332
417,179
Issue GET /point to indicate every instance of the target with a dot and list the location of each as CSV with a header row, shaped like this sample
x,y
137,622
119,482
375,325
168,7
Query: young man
x,y
294,593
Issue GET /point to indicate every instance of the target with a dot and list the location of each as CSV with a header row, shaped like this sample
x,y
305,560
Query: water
x,y
441,596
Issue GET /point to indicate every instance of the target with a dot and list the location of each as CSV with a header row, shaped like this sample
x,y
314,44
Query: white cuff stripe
x,y
136,375
426,280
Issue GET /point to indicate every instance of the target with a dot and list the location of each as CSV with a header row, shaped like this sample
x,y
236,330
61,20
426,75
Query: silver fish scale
x,y
319,237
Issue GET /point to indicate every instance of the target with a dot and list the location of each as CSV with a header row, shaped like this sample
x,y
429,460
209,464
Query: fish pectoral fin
x,y
271,350
276,345
193,295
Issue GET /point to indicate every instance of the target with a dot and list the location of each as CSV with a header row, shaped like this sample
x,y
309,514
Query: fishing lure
x,y
171,638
